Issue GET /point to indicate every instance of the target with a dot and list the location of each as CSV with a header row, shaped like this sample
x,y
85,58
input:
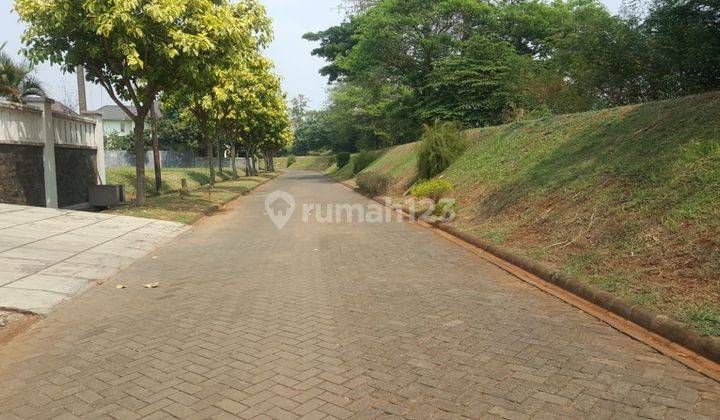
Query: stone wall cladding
x,y
21,175
76,173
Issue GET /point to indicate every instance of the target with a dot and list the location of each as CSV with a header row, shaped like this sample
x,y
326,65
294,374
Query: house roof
x,y
115,113
61,108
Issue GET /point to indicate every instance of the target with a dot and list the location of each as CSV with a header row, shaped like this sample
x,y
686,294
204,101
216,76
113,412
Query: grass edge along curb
x,y
675,331
204,212
211,210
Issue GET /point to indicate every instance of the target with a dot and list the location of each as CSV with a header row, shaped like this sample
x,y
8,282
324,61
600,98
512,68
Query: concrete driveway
x,y
47,255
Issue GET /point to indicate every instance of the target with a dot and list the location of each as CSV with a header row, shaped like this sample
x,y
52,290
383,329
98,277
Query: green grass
x,y
196,177
627,199
399,163
189,209
318,163
706,318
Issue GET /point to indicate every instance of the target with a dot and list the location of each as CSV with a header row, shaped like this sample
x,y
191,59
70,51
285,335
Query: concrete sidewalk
x,y
47,255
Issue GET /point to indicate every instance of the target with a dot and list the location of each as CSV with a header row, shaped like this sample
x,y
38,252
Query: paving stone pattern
x,y
332,321
48,256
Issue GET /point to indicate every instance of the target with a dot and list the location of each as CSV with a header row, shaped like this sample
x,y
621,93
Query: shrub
x,y
441,145
291,160
342,159
373,183
435,189
362,160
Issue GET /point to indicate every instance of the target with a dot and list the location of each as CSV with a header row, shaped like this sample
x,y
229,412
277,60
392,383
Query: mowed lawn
x,y
172,178
184,208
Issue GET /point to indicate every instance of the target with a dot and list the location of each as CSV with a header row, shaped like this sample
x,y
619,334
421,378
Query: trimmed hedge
x,y
373,183
342,159
436,189
362,160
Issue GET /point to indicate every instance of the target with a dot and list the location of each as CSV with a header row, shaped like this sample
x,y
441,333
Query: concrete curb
x,y
661,325
215,208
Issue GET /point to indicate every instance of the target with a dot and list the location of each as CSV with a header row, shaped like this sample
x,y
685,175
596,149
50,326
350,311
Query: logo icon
x,y
280,206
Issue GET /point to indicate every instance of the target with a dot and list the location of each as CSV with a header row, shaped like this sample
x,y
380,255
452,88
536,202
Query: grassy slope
x,y
308,163
398,163
627,199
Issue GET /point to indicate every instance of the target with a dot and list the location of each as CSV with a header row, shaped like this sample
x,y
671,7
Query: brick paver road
x,y
346,320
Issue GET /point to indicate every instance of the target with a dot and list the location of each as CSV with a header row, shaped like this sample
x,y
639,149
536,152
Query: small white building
x,y
116,121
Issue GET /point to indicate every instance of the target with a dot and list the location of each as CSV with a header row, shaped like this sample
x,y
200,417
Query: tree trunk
x,y
138,137
233,156
247,162
219,156
211,166
156,150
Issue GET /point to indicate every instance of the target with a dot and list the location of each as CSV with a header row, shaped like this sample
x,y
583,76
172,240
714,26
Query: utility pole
x,y
82,98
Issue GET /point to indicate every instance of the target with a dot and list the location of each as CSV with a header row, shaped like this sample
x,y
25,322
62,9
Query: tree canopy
x,y
394,65
193,52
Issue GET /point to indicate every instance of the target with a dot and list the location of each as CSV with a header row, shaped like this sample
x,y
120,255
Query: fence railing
x,y
168,159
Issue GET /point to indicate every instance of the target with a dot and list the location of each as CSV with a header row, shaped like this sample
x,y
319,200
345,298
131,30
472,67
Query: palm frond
x,y
31,85
16,80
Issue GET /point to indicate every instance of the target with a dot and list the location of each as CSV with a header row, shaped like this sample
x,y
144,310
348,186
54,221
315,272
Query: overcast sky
x,y
292,18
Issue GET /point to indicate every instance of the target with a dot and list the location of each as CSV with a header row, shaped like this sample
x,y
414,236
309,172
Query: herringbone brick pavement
x,y
332,321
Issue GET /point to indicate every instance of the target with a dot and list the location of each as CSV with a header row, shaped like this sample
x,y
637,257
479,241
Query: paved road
x,y
332,320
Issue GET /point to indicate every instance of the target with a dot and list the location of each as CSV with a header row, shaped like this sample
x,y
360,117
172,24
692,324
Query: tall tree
x,y
135,49
684,46
298,110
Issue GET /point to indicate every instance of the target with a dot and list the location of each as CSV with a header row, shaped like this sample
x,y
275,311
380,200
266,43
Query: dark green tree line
x,y
394,65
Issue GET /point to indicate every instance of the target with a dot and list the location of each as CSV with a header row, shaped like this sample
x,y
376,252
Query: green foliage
x,y
291,160
342,159
335,43
398,64
372,183
16,80
683,44
117,141
137,49
362,160
173,134
436,189
441,145
312,132
475,88
601,181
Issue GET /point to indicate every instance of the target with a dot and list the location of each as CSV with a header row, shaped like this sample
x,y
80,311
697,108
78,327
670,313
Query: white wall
x,y
35,124
113,126
110,126
20,124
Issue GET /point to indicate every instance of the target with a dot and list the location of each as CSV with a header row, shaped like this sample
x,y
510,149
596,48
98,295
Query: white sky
x,y
291,54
